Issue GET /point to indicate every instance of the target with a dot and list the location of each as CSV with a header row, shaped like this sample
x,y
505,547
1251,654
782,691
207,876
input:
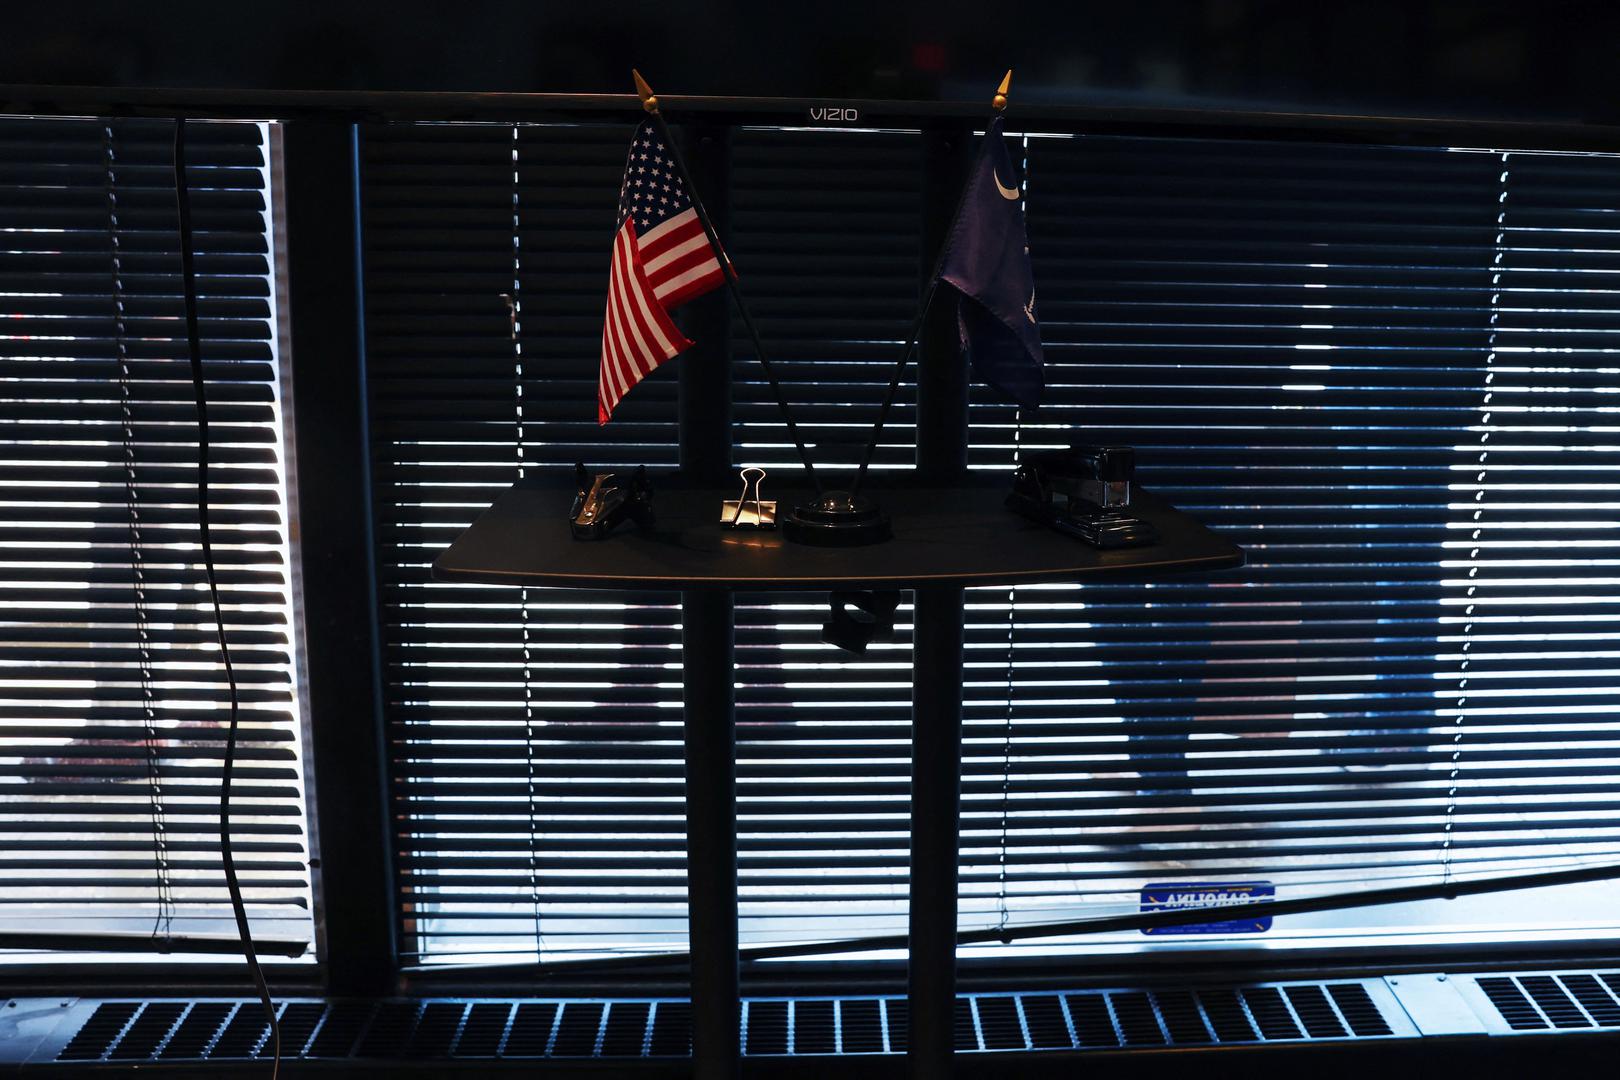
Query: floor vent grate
x,y
492,1029
516,1029
1356,1006
101,1035
1554,1001
1602,1006
149,1031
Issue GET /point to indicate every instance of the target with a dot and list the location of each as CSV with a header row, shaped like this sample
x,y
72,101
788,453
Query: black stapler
x,y
1084,492
603,501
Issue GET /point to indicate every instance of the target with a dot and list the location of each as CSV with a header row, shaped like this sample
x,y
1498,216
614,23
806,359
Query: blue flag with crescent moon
x,y
987,263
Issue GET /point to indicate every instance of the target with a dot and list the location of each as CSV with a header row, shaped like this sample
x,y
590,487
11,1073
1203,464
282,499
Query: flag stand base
x,y
837,520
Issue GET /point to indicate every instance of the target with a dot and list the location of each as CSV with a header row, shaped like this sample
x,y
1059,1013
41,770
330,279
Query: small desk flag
x,y
661,259
987,263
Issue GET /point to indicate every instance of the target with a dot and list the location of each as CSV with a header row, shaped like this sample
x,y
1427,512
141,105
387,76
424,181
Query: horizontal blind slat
x,y
113,713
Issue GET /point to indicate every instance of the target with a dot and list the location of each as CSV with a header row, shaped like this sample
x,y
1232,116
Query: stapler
x,y
603,501
1084,492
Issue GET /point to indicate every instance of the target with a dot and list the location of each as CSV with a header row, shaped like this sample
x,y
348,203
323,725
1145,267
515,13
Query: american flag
x,y
661,259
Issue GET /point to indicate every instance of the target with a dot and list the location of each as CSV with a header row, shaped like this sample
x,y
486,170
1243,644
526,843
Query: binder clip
x,y
749,510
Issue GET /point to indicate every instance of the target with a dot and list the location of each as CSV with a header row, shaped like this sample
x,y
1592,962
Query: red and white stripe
x,y
650,276
679,261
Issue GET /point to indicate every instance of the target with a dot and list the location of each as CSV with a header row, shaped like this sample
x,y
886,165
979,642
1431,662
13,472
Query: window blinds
x,y
114,704
828,228
1311,346
534,735
1386,373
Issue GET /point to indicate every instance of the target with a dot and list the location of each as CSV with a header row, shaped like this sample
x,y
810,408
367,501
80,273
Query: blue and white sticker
x,y
1179,896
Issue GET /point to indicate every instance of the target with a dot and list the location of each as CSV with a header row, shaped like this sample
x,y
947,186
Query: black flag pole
x,y
999,104
649,102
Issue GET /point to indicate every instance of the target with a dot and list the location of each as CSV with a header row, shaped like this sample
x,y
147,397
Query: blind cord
x,y
514,308
1012,623
163,920
1007,741
1454,779
188,279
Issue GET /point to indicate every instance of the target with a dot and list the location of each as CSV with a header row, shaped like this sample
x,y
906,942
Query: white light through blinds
x,y
1311,347
1389,375
534,734
112,700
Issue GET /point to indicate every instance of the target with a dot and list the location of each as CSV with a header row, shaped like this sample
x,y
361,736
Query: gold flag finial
x,y
649,100
999,102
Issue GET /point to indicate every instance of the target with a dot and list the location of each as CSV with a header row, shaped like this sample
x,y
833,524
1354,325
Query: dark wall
x,y
1551,59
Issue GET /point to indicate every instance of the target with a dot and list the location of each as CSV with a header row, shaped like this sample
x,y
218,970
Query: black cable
x,y
188,278
1146,920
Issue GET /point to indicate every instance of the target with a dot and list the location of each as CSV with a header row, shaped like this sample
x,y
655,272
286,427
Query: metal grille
x,y
1555,1001
619,1028
628,1028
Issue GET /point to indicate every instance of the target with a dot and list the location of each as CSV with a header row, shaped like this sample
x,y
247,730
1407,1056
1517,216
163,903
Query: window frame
x,y
317,258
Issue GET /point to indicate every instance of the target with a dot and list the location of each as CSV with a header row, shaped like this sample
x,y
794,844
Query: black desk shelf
x,y
942,536
945,540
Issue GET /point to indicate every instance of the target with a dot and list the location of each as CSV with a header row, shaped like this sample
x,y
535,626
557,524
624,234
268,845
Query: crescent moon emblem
x,y
1008,193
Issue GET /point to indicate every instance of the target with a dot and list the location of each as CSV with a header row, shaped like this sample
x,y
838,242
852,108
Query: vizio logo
x,y
829,112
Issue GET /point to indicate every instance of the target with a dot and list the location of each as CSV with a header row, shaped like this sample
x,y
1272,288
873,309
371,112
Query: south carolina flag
x,y
987,263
